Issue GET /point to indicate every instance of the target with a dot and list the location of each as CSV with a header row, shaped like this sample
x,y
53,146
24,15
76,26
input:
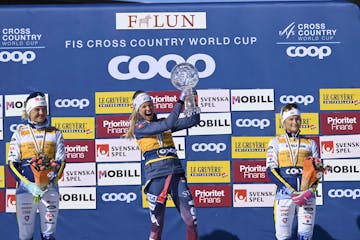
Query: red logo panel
x,y
340,123
250,171
212,196
80,150
111,126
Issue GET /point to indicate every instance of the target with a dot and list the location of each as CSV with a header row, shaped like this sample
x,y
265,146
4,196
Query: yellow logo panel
x,y
75,127
309,124
145,204
249,147
2,177
208,171
113,102
340,99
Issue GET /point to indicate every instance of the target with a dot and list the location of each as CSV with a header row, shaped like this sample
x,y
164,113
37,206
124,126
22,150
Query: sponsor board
x,y
340,123
212,196
214,100
164,101
249,147
252,99
10,199
113,196
254,195
208,171
208,147
80,150
117,150
75,127
309,124
212,124
180,147
2,176
15,104
160,20
319,194
113,102
340,99
298,99
77,198
1,129
1,106
340,146
111,126
78,174
2,200
250,171
348,194
145,204
9,179
78,104
245,123
342,170
119,174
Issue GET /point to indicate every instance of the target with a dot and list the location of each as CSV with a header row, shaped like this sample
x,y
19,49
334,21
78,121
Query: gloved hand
x,y
34,189
301,198
187,92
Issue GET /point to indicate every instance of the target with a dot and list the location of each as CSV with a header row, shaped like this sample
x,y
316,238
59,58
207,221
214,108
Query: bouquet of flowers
x,y
313,169
43,169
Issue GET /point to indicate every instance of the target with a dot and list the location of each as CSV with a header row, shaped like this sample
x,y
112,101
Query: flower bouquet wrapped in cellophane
x,y
43,169
313,170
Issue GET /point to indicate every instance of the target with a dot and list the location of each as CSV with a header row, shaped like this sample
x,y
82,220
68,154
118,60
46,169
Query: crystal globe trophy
x,y
185,76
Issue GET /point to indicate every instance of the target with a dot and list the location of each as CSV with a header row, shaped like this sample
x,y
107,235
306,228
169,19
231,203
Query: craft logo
x,y
252,99
340,146
214,100
254,195
249,147
340,123
309,124
208,171
15,104
77,198
80,150
160,20
75,127
340,99
212,196
102,150
117,150
212,124
79,174
119,174
164,101
113,102
250,171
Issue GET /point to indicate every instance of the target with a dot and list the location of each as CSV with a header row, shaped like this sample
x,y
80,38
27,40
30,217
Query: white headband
x,y
37,101
140,99
291,112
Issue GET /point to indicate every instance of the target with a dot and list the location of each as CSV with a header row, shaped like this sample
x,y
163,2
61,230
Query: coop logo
x,y
75,103
344,193
240,195
327,147
300,99
211,147
17,56
131,66
15,127
121,197
311,51
257,123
